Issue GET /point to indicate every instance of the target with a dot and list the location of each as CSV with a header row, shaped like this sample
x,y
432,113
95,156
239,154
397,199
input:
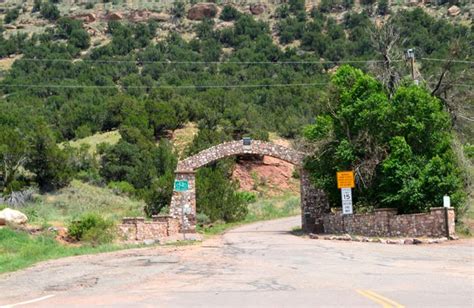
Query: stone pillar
x,y
314,204
443,221
181,199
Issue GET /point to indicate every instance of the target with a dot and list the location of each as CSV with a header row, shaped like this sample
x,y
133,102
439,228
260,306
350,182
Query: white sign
x,y
446,201
346,195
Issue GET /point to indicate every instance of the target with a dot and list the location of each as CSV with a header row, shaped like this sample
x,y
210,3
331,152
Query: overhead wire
x,y
185,86
200,62
448,60
165,86
203,62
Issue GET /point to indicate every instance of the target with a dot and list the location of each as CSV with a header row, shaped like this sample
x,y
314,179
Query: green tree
x,y
178,10
383,7
36,6
49,11
48,162
14,150
399,146
229,13
11,15
217,197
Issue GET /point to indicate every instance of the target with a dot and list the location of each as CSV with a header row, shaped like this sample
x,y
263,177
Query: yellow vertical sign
x,y
345,179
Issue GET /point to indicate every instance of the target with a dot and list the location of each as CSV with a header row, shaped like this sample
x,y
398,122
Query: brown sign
x,y
345,179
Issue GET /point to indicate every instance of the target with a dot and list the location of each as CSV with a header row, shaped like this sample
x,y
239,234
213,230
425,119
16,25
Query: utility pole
x,y
410,55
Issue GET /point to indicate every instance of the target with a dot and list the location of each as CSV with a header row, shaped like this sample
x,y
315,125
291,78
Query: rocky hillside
x,y
168,14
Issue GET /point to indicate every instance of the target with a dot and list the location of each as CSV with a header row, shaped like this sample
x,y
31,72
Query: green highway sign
x,y
181,185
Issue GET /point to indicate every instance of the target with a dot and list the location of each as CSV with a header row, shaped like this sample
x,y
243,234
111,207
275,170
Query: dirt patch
x,y
6,63
184,136
271,176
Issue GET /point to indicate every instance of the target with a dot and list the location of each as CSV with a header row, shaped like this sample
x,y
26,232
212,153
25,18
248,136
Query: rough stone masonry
x,y
315,212
313,201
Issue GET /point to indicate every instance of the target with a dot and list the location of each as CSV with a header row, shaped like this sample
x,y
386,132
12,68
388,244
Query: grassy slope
x,y
466,225
93,141
70,202
18,249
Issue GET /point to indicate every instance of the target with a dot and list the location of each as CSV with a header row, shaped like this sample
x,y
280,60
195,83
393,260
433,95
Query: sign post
x,y
345,182
346,195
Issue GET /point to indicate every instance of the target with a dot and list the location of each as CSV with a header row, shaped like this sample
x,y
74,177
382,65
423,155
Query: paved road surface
x,y
258,265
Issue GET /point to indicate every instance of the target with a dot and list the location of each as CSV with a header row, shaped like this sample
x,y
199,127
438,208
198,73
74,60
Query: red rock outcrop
x,y
202,10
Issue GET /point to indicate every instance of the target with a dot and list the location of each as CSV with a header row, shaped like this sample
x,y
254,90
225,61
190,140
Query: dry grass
x,y
467,168
93,141
6,63
182,137
68,203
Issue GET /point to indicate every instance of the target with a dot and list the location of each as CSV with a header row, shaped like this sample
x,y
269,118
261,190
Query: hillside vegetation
x,y
236,74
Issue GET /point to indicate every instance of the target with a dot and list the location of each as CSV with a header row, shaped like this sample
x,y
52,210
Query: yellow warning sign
x,y
345,179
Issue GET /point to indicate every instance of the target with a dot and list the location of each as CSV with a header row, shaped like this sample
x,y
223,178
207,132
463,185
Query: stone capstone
x,y
10,216
201,11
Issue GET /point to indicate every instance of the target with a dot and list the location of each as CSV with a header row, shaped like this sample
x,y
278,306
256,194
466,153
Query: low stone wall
x,y
137,229
385,222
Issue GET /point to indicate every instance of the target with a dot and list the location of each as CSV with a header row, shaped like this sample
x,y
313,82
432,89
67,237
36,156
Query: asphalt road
x,y
258,265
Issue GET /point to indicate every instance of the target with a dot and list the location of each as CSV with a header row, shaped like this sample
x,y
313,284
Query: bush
x,y
11,15
50,164
122,187
80,39
469,151
92,228
49,11
383,7
36,6
247,197
202,219
229,13
399,144
178,10
217,196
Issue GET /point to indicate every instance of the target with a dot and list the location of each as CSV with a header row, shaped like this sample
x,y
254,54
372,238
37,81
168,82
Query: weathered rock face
x,y
114,16
454,11
201,11
257,8
159,17
9,216
87,18
138,16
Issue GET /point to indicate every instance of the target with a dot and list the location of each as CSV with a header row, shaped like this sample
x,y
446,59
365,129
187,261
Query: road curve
x,y
257,265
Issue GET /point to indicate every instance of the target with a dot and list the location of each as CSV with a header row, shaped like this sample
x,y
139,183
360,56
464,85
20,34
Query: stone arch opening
x,y
183,202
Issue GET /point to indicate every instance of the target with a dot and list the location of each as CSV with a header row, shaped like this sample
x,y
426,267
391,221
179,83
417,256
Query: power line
x,y
163,86
184,86
448,60
203,62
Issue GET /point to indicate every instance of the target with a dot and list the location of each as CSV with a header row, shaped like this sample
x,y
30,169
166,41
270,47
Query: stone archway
x,y
183,202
